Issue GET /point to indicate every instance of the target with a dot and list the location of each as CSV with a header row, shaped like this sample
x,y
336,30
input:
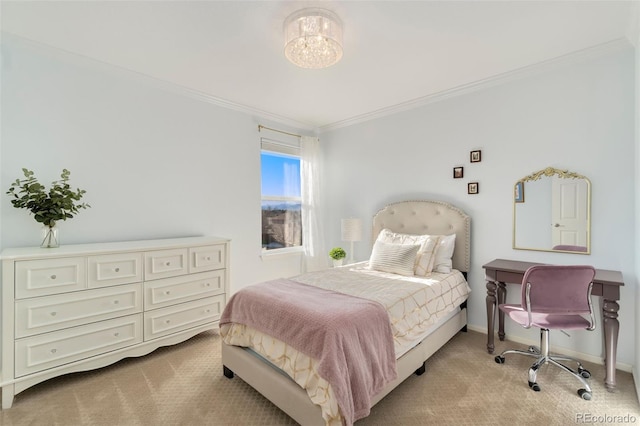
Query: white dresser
x,y
80,307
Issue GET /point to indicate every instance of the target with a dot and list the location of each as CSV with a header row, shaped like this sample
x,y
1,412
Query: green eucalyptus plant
x,y
337,253
60,202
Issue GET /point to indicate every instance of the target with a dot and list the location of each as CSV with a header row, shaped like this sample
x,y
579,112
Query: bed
x,y
273,367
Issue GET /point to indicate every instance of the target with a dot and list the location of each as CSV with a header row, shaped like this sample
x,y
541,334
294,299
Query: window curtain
x,y
315,256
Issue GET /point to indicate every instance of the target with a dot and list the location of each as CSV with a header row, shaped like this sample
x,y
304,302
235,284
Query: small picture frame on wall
x,y
476,156
473,187
458,172
518,195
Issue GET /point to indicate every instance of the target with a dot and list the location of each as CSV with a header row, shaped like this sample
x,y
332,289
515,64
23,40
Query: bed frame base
x,y
287,395
227,373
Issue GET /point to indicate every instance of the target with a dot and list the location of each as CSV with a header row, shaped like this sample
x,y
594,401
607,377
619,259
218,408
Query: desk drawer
x,y
37,353
114,269
49,276
183,316
50,313
508,277
169,291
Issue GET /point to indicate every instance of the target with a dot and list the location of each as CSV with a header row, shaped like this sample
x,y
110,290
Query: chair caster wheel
x,y
499,359
584,373
534,386
584,394
532,349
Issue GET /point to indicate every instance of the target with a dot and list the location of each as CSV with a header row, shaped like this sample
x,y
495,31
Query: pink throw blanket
x,y
349,336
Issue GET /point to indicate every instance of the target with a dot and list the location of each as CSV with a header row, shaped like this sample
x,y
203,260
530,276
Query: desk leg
x,y
611,328
502,297
491,308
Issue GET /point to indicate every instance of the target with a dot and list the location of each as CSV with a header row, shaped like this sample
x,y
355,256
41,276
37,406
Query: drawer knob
x,y
167,264
167,321
208,258
53,277
207,284
115,302
54,350
53,314
167,292
117,269
116,334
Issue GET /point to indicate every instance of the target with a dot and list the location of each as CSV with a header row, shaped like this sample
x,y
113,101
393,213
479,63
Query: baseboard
x,y
579,355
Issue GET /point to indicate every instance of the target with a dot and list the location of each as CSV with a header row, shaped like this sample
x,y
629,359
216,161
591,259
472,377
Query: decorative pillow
x,y
394,258
425,257
444,253
425,260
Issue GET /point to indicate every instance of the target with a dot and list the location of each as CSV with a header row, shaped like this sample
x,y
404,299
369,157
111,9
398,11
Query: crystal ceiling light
x,y
313,38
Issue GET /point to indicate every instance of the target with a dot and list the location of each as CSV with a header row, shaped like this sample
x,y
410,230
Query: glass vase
x,y
49,237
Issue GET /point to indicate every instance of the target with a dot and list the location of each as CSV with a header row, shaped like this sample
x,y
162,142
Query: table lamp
x,y
351,232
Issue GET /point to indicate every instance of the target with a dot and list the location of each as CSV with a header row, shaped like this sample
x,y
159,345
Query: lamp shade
x,y
313,38
351,229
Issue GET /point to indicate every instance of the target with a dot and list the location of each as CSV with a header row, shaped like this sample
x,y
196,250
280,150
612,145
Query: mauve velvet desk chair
x,y
554,297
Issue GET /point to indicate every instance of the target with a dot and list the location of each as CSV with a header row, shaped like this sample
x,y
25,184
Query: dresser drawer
x,y
207,258
50,313
37,353
165,263
183,316
169,291
49,276
113,269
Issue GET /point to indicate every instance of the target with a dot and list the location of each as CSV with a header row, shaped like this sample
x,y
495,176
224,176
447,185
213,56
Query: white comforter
x,y
414,304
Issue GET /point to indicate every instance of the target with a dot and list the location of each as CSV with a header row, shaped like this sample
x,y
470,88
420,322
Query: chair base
x,y
543,357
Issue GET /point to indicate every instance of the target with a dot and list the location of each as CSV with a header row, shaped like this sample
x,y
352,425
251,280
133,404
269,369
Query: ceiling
x,y
395,52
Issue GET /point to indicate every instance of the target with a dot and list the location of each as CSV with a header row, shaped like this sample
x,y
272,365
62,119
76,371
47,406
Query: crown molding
x,y
519,73
530,70
115,70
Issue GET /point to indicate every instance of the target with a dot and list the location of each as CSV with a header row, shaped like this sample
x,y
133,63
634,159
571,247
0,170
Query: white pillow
x,y
394,258
425,258
390,237
444,253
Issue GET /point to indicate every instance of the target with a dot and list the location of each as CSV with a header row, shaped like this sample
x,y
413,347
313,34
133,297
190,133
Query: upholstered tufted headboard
x,y
429,217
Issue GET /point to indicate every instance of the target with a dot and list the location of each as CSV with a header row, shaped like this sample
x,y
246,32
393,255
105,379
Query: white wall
x,y
155,163
576,116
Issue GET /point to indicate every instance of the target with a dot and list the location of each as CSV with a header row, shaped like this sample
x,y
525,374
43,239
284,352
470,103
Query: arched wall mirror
x,y
552,212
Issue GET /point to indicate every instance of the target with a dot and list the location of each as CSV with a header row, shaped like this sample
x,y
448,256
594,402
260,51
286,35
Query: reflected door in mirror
x,y
555,214
569,210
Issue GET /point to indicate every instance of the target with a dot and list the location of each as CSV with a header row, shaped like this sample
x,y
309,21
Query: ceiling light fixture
x,y
313,38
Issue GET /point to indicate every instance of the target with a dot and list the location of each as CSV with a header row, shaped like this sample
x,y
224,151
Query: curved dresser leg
x,y
8,392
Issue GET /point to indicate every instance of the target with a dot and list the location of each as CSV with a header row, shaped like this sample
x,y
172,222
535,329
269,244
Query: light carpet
x,y
184,385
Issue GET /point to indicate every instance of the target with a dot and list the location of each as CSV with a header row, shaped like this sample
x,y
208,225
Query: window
x,y
281,196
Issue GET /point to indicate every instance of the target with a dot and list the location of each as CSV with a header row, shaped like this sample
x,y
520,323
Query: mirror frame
x,y
565,174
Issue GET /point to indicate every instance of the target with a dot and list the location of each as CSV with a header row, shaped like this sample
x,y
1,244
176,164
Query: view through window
x,y
281,199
